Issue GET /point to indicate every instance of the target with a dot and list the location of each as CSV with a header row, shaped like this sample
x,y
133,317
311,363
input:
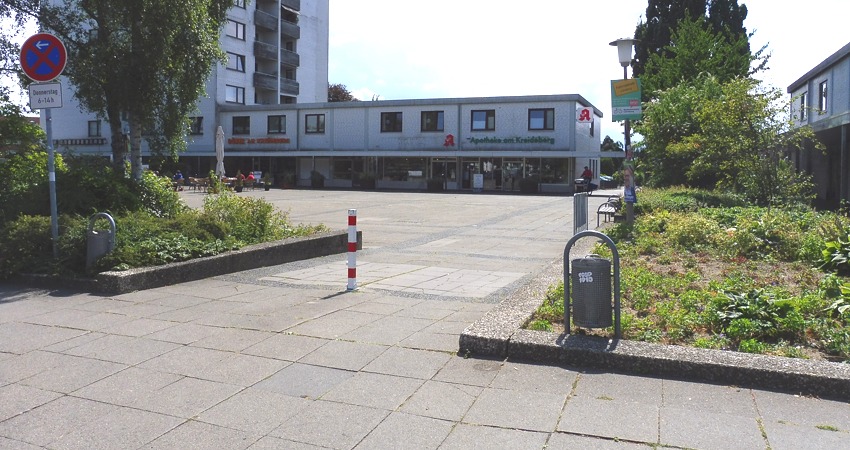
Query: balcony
x,y
289,87
294,5
290,30
265,20
289,58
265,51
265,81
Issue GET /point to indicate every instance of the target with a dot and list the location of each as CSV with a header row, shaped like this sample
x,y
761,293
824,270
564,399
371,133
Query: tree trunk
x,y
135,149
119,144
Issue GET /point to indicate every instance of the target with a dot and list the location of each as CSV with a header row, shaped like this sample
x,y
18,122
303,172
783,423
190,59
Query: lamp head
x,y
624,50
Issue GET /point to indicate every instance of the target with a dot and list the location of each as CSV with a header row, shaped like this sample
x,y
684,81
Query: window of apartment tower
x,y
541,119
822,103
390,122
196,126
484,120
277,124
236,62
241,125
314,123
804,106
94,128
234,94
239,3
432,120
235,29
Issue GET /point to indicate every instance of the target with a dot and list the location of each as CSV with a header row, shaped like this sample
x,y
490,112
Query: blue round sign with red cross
x,y
43,57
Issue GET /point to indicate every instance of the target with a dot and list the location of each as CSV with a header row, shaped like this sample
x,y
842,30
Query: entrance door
x,y
511,174
445,168
469,167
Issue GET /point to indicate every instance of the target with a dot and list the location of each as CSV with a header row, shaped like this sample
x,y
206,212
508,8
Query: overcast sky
x,y
469,48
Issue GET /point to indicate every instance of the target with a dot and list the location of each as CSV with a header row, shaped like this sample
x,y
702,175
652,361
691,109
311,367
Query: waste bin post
x,y
100,243
616,287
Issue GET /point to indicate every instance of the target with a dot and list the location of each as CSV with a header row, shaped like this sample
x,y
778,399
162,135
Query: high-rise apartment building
x,y
277,53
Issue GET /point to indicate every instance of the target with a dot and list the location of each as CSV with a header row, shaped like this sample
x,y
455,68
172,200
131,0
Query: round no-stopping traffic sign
x,y
43,57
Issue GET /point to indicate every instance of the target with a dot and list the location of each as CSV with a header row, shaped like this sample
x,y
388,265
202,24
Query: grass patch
x,y
703,270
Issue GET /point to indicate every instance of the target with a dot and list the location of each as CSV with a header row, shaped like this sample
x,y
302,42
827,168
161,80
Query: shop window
x,y
241,125
484,120
314,123
403,169
432,120
391,122
196,125
276,125
342,168
541,119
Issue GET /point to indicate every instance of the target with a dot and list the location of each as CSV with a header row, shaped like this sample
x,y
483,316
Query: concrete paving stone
x,y
407,362
123,349
444,327
425,310
431,341
526,410
178,301
103,305
93,321
186,360
275,323
19,338
128,387
273,443
254,411
287,347
17,399
601,417
145,310
194,435
184,333
620,388
701,429
373,307
401,430
70,373
534,377
477,437
793,409
331,425
139,327
790,436
388,330
48,423
187,397
567,441
395,300
447,401
243,370
212,289
466,317
374,390
344,355
11,444
471,371
304,380
120,428
20,367
335,324
232,339
709,397
142,296
77,341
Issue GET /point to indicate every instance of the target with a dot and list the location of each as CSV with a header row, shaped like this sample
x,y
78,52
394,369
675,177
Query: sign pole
x,y
51,175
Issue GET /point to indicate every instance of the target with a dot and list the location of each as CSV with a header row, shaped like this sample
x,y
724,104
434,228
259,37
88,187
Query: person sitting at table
x,y
178,181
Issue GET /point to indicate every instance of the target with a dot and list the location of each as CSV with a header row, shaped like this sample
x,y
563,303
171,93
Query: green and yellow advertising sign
x,y
625,100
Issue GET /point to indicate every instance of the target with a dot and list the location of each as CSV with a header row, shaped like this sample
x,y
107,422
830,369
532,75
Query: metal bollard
x,y
99,242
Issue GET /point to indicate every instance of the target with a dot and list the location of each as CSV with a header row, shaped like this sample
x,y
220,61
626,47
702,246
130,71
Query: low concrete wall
x,y
247,258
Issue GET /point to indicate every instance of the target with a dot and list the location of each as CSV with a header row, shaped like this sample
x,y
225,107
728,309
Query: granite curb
x,y
500,334
246,258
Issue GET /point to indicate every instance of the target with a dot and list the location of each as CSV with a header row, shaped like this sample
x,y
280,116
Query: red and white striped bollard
x,y
352,249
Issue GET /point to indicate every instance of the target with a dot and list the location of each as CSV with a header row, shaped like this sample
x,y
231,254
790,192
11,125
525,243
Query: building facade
x,y
821,99
270,99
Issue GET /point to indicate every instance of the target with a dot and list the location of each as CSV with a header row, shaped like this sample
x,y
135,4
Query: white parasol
x,y
219,152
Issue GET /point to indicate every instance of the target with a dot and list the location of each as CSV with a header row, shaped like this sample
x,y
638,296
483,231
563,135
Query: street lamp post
x,y
624,51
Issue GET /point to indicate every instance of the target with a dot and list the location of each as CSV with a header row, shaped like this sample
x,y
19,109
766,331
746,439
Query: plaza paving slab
x,y
267,358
